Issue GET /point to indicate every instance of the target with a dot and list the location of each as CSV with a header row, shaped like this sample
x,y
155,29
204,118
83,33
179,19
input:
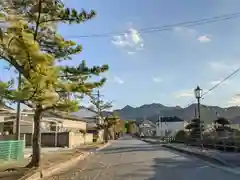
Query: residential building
x,y
90,118
235,123
147,128
169,126
51,121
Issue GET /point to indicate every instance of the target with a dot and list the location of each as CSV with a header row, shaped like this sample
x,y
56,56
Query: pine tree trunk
x,y
36,140
114,132
105,134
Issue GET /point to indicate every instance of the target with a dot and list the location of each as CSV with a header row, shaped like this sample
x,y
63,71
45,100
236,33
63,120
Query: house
x,y
169,126
235,122
91,120
51,121
147,128
58,129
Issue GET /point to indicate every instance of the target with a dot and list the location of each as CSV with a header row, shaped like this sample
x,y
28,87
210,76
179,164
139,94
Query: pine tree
x,y
98,107
30,42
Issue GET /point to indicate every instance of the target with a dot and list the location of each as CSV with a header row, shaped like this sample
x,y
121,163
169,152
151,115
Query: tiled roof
x,y
171,119
84,113
58,114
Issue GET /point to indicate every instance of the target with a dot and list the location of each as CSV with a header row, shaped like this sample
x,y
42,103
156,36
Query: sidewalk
x,y
48,161
44,150
153,141
230,160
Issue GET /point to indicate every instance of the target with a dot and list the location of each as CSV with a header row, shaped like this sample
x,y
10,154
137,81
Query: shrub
x,y
181,136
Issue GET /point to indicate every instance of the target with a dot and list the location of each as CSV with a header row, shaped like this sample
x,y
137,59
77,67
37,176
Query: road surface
x,y
131,159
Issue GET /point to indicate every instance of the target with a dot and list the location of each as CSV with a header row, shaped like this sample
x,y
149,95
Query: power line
x,y
217,85
221,82
166,27
191,102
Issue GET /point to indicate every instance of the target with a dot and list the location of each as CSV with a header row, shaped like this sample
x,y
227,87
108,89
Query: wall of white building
x,y
169,128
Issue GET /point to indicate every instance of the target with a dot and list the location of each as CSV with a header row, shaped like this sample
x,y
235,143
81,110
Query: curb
x,y
103,147
64,165
201,156
151,142
215,162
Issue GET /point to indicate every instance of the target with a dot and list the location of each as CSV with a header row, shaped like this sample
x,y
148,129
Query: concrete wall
x,y
169,128
88,138
71,124
75,139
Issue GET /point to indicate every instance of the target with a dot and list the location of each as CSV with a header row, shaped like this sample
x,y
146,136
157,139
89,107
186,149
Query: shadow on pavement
x,y
163,169
176,169
141,162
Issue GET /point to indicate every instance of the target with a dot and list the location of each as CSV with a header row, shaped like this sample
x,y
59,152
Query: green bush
x,y
181,136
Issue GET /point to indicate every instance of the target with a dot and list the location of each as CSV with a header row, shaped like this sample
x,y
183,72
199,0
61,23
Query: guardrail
x,y
11,150
225,145
168,138
163,138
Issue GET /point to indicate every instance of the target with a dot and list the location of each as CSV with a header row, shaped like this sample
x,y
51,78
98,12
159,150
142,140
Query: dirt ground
x,y
16,170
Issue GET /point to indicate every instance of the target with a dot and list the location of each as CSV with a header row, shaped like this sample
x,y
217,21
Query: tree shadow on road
x,y
177,168
154,165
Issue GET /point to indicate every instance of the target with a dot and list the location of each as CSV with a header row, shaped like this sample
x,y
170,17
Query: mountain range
x,y
153,111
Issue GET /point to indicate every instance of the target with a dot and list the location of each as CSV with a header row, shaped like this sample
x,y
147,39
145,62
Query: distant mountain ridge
x,y
154,110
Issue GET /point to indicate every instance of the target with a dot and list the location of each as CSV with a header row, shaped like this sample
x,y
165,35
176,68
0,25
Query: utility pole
x,y
98,102
99,115
18,110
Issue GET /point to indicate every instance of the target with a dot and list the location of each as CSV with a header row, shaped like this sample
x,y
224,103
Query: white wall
x,y
70,124
169,129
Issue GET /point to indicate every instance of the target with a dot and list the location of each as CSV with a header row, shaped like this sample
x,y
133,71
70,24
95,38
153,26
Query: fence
x,y
11,150
222,144
229,143
168,138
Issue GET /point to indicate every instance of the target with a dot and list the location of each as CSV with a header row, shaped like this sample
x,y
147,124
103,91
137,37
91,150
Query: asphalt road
x,y
131,159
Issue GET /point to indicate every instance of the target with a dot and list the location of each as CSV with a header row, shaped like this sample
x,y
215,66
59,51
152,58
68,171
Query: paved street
x,y
131,159
230,158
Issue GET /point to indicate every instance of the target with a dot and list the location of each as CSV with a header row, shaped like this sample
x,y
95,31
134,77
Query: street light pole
x,y
198,107
198,95
200,123
195,112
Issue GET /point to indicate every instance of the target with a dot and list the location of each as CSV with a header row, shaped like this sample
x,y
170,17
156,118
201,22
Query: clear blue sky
x,y
161,67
